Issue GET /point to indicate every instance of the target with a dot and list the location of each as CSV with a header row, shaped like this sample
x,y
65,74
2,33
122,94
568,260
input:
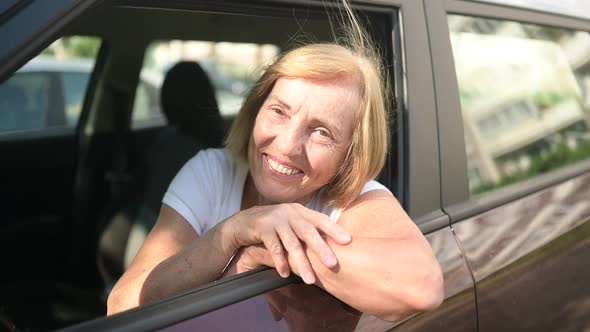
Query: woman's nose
x,y
290,140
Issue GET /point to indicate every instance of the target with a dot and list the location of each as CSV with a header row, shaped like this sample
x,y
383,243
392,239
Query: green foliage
x,y
550,98
73,47
82,47
560,155
468,95
48,52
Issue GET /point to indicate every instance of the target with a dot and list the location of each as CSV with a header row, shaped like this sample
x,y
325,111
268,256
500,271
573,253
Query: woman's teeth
x,y
282,169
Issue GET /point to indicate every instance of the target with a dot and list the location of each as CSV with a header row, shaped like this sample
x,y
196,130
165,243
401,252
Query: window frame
x,y
456,199
420,198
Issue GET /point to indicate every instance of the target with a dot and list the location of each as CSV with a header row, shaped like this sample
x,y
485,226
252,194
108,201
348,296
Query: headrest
x,y
189,103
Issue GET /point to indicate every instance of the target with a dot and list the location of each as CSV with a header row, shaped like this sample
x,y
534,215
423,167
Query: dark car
x,y
490,158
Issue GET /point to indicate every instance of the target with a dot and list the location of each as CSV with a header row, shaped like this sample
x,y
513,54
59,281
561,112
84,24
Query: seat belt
x,y
119,181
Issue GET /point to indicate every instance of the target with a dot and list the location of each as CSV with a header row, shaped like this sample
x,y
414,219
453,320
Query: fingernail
x,y
309,278
331,261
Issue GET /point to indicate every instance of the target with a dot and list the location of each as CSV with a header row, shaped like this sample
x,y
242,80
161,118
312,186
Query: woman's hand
x,y
247,259
286,230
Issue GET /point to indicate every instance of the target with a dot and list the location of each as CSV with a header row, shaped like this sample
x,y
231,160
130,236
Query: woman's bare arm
x,y
387,270
173,258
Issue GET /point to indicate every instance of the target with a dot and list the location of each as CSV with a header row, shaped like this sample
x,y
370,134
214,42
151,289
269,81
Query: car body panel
x,y
457,312
527,257
524,243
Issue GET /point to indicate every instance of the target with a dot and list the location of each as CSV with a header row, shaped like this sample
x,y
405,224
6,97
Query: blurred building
x,y
509,120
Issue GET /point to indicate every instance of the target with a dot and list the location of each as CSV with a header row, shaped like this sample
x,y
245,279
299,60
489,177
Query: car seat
x,y
188,102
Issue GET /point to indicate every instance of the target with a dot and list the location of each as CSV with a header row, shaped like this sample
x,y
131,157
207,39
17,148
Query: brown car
x,y
491,157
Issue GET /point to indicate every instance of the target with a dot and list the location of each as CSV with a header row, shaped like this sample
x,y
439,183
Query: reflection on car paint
x,y
499,237
457,313
526,258
296,307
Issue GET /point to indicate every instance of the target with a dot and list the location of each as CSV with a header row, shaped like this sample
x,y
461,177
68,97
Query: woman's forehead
x,y
339,95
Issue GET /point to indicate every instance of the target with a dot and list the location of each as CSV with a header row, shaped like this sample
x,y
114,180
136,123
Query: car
x,y
48,92
490,158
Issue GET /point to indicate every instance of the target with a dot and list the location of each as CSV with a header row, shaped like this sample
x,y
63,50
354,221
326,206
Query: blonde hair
x,y
354,58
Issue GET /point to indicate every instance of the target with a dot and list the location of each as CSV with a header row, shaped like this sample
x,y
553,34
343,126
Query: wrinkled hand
x,y
286,230
247,259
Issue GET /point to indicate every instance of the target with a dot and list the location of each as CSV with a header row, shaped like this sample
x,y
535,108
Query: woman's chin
x,y
284,195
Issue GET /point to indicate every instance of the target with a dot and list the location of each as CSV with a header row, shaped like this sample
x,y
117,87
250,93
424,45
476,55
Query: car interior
x,y
79,200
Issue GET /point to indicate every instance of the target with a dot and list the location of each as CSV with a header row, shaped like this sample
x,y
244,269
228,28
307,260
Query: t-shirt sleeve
x,y
191,192
369,186
373,185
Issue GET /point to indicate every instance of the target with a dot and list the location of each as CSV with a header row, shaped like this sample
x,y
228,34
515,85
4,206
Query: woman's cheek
x,y
323,160
264,131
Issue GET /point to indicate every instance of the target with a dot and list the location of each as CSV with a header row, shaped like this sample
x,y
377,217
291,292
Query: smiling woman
x,y
294,190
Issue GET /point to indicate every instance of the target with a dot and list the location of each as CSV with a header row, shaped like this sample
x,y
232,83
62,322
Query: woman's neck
x,y
251,197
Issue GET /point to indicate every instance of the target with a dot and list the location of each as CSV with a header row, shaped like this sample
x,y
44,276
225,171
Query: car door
x,y
412,173
512,96
35,103
39,150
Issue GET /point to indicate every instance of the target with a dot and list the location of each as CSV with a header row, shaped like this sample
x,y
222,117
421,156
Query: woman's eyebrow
x,y
283,103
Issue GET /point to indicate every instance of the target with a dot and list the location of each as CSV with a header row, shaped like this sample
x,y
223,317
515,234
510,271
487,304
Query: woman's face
x,y
301,137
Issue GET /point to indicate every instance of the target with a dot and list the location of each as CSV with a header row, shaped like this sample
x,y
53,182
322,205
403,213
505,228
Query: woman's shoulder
x,y
216,164
211,157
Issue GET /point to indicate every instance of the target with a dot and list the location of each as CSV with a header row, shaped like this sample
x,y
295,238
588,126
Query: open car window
x,y
233,45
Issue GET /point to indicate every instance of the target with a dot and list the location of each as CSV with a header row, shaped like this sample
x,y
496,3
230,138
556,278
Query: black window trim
x,y
36,134
480,204
190,304
457,201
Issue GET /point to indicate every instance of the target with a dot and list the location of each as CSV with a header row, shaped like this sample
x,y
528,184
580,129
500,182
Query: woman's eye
x,y
323,133
278,111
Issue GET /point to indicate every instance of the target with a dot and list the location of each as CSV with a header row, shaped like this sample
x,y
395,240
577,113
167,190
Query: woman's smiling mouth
x,y
281,168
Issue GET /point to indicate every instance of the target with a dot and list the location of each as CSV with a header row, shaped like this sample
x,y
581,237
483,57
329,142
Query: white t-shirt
x,y
209,187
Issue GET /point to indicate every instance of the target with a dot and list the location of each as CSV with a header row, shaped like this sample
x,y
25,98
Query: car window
x,y
74,84
231,67
525,98
49,90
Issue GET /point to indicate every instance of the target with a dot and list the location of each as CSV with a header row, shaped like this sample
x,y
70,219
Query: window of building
x,y
524,98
